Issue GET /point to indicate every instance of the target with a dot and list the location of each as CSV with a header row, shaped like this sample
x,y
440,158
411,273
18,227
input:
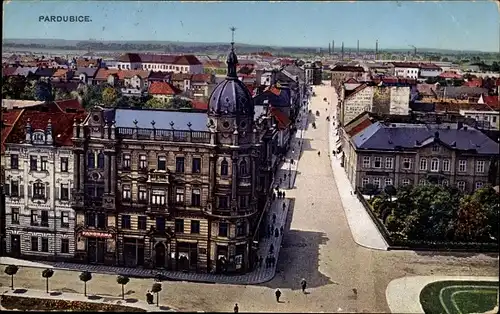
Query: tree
x,y
47,274
391,191
11,270
471,223
43,91
91,95
61,94
156,289
85,276
109,96
14,86
177,103
155,103
122,280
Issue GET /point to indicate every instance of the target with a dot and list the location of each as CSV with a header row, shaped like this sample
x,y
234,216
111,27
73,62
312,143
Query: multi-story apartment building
x,y
175,190
38,181
406,69
407,154
341,73
154,62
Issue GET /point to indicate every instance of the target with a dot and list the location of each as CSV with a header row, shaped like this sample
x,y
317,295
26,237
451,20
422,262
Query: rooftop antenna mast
x,y
233,29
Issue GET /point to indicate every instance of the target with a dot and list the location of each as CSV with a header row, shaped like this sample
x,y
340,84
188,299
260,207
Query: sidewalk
x,y
403,294
30,293
363,229
259,275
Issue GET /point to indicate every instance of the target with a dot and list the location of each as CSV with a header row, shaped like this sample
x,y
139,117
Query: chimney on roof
x,y
28,131
436,135
454,144
460,124
48,133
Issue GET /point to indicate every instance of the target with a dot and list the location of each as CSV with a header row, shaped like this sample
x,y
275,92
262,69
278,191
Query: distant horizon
x,y
337,48
399,25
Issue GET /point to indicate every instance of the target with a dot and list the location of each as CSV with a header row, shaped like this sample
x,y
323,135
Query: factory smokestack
x,y
329,49
358,48
342,52
333,46
376,49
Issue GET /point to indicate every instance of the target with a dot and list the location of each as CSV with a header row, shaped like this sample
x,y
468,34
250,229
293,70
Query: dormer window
x,y
38,138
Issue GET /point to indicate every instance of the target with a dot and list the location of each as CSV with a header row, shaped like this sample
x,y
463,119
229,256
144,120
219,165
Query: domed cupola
x,y
231,97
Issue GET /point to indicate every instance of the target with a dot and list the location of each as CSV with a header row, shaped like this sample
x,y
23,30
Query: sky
x,y
457,25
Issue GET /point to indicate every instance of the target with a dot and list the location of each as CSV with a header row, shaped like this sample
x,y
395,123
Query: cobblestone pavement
x,y
317,245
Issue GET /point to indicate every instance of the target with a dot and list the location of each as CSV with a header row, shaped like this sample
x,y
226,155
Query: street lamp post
x,y
290,173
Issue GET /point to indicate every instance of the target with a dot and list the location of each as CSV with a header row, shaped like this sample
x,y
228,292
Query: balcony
x,y
77,200
157,208
158,177
93,201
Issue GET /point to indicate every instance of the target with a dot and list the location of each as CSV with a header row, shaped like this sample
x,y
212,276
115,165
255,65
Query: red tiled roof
x,y
281,118
130,58
85,63
492,101
62,126
201,78
347,68
214,64
187,60
360,127
474,83
103,74
9,119
351,81
181,76
200,105
9,71
450,75
405,65
70,105
456,107
163,88
60,73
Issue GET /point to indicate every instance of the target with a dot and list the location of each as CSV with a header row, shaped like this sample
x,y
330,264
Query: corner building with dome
x,y
174,190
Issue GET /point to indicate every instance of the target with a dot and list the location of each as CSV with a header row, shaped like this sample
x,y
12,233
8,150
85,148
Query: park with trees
x,y
437,216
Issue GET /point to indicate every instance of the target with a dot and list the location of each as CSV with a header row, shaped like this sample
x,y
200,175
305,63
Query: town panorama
x,y
354,172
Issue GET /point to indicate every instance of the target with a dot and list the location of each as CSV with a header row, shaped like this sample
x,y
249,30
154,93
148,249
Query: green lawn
x,y
459,297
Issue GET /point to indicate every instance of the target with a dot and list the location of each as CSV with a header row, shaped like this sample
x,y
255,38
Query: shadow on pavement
x,y
455,254
19,291
55,293
290,269
131,300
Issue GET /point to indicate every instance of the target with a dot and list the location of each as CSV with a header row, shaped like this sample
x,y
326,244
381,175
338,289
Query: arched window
x,y
90,160
224,168
243,168
100,160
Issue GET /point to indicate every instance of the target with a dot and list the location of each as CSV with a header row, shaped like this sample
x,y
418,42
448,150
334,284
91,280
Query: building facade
x,y
39,178
401,154
173,190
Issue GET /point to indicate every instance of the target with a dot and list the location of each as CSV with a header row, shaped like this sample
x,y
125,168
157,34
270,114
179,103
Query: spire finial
x,y
233,29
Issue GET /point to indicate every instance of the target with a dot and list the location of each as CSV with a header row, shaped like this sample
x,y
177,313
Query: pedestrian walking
x,y
284,206
319,153
276,233
274,218
284,176
303,284
283,194
267,262
274,196
281,181
278,295
271,249
236,308
273,261
149,297
281,230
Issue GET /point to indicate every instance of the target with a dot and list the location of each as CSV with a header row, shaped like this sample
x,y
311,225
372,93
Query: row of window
x,y
40,220
158,197
485,118
14,163
423,164
461,185
156,67
38,190
45,245
180,164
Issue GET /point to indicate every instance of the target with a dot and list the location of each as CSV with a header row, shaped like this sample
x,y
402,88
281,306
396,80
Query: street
x,y
318,246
